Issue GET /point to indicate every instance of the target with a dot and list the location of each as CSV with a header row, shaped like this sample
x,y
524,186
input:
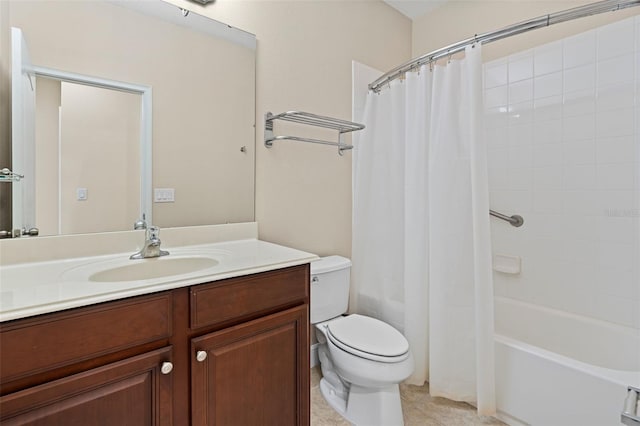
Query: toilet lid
x,y
367,335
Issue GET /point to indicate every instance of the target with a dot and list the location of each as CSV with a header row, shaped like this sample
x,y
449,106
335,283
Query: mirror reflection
x,y
202,74
87,152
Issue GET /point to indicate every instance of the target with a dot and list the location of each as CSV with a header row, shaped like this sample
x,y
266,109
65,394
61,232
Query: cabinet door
x,y
255,373
132,392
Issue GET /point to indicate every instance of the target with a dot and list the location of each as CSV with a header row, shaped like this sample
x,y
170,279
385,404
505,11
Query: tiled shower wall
x,y
563,133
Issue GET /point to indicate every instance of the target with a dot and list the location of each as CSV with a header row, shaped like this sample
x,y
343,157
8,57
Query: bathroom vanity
x,y
227,348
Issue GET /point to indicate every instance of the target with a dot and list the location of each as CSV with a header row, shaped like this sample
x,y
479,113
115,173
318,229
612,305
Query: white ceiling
x,y
414,8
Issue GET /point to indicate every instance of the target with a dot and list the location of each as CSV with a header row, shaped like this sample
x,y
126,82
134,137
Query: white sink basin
x,y
119,269
146,269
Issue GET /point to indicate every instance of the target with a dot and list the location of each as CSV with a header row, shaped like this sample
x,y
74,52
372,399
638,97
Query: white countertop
x,y
35,288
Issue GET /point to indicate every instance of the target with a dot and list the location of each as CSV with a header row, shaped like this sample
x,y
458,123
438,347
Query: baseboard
x,y
510,420
314,355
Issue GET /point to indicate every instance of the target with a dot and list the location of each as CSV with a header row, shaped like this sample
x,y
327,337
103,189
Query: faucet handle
x,y
153,233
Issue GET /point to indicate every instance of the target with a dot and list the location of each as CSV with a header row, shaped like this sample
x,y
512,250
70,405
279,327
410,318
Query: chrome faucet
x,y
151,246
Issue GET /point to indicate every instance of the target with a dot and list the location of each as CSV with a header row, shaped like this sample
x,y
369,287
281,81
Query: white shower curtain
x,y
421,242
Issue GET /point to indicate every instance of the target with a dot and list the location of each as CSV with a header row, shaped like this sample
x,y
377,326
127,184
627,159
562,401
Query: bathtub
x,y
558,369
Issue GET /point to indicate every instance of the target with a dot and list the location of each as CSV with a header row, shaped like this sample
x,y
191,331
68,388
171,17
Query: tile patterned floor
x,y
420,409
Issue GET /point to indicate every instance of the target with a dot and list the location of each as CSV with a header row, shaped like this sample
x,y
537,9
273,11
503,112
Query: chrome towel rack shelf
x,y
515,220
300,117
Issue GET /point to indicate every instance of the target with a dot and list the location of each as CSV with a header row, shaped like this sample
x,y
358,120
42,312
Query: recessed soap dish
x,y
507,264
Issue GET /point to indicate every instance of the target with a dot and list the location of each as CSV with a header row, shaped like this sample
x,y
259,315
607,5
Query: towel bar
x,y
300,117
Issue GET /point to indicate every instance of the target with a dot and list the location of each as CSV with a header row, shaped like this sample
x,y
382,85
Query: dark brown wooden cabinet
x,y
140,361
253,374
132,392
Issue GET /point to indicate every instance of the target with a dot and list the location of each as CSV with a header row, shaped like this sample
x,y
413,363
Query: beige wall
x,y
459,19
305,49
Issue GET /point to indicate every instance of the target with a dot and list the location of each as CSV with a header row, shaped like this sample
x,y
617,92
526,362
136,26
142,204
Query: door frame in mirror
x,y
146,126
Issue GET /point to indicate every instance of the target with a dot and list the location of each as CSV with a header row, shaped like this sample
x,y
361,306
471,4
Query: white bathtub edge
x,y
623,378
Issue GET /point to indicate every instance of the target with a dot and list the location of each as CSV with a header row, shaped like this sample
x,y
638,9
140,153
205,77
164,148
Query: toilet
x,y
362,359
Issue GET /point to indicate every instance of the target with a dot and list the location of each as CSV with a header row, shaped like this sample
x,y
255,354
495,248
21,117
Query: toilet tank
x,y
329,287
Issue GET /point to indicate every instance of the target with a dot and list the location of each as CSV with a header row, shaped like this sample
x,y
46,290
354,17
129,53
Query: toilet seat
x,y
368,338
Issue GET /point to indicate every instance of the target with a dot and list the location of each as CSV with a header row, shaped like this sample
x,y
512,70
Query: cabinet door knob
x,y
166,367
201,356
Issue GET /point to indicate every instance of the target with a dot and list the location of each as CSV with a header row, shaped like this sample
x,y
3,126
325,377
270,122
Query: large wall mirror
x,y
87,169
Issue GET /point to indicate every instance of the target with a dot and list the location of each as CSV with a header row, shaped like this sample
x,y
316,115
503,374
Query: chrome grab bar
x,y
631,412
515,220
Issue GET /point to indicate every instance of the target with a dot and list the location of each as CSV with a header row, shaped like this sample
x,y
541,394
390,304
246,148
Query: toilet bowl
x,y
362,359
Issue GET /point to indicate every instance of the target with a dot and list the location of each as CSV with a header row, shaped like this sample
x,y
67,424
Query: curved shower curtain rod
x,y
519,28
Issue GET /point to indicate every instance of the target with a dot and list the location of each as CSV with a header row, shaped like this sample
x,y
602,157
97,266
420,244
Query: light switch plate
x,y
82,194
163,195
